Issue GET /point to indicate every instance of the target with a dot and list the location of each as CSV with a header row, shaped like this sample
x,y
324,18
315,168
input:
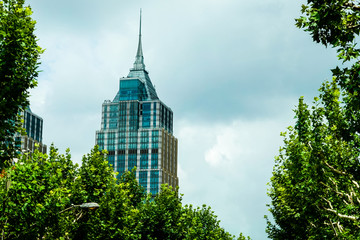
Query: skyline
x,y
232,72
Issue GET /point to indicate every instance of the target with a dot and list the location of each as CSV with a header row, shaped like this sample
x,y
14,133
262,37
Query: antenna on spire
x,y
140,22
139,59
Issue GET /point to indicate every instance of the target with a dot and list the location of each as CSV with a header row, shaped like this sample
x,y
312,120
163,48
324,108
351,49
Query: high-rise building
x,y
33,125
137,130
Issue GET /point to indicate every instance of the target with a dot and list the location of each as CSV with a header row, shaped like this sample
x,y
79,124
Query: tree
x,y
33,193
315,187
95,179
116,218
164,217
40,197
137,192
159,217
117,215
242,237
202,223
19,55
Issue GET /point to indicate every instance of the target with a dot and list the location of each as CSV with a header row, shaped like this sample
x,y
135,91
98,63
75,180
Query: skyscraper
x,y
33,125
137,130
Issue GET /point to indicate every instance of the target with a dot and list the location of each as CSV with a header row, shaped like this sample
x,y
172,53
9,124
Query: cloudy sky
x,y
231,70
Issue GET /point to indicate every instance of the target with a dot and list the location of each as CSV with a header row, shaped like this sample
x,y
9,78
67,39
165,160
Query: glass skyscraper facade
x,y
33,125
137,130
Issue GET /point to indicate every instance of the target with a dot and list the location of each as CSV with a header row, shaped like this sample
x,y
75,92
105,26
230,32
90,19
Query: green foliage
x,y
94,178
164,217
131,184
315,188
40,197
19,54
32,193
242,237
315,184
202,223
160,216
117,217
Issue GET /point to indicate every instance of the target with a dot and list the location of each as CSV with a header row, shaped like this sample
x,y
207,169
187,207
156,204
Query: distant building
x,y
137,130
33,125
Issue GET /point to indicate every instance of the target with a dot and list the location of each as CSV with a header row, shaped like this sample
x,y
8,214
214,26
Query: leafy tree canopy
x,y
40,198
19,55
315,184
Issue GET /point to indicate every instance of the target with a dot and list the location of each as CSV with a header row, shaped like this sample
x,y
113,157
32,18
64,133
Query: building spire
x,y
139,59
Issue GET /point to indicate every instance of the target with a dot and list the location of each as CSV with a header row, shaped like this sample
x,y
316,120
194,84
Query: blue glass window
x,y
155,139
146,115
144,161
111,141
143,179
132,161
100,141
154,182
121,162
144,140
113,124
132,89
154,176
114,108
105,116
154,114
111,160
154,160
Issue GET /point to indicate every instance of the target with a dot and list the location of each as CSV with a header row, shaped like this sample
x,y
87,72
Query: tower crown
x,y
137,85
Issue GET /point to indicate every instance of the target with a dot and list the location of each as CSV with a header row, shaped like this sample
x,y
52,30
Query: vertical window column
x,y
154,159
110,143
122,140
122,116
155,139
144,140
154,115
146,115
144,159
114,116
134,116
132,159
121,162
105,116
110,146
143,179
100,140
154,182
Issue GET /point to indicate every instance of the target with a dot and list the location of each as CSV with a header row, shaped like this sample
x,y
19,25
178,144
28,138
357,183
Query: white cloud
x,y
228,147
227,166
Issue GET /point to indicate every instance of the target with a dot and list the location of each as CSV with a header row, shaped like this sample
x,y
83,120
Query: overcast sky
x,y
231,70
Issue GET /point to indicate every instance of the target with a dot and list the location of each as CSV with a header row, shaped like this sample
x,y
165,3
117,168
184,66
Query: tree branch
x,y
353,218
352,26
352,6
334,169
